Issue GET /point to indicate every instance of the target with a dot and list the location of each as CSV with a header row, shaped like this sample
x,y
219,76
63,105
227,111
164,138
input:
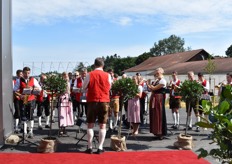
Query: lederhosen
x,y
43,102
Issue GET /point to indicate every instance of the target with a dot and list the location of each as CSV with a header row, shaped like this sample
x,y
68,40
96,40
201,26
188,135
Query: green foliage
x,y
210,67
143,57
119,64
170,45
229,51
83,65
191,90
125,87
220,120
55,84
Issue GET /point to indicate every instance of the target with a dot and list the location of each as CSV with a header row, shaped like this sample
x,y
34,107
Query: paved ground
x,y
145,141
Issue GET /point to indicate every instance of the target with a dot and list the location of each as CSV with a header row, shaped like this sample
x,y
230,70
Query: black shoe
x,y
189,128
30,135
173,126
109,130
47,126
176,127
115,130
99,151
40,128
17,131
89,151
197,129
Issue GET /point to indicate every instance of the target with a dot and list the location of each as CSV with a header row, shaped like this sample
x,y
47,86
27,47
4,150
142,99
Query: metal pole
x,y
6,90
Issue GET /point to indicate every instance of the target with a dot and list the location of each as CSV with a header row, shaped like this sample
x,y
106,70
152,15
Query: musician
x,y
174,101
26,86
19,74
81,95
205,95
142,99
114,105
192,105
158,123
43,103
228,82
98,84
72,81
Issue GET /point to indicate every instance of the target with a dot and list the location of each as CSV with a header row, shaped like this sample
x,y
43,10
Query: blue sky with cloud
x,y
72,31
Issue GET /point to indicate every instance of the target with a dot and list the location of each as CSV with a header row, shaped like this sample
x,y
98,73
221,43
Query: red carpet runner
x,y
141,157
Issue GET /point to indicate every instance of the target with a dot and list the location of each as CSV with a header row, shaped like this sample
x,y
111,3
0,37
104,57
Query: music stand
x,y
23,140
25,107
79,123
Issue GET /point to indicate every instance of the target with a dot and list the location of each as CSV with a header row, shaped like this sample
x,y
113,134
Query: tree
x,y
210,68
82,65
170,45
229,51
123,64
143,57
118,64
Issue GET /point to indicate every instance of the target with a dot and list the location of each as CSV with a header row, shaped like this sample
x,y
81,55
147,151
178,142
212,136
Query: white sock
x,y
53,115
47,120
111,122
16,124
31,126
178,118
39,121
25,127
90,134
102,135
198,119
174,117
190,121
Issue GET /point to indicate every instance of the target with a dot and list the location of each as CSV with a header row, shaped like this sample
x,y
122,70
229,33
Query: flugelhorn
x,y
221,84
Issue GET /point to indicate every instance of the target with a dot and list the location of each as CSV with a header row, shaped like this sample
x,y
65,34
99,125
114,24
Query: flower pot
x,y
185,142
118,144
47,145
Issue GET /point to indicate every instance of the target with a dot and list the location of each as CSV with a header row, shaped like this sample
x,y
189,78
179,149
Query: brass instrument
x,y
26,96
221,84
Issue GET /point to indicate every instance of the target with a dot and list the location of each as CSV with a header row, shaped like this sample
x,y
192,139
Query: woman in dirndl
x,y
158,123
65,109
133,109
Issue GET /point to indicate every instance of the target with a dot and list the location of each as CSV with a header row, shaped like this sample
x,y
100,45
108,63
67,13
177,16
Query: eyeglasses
x,y
76,75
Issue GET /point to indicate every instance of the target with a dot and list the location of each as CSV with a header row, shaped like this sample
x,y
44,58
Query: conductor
x,y
97,83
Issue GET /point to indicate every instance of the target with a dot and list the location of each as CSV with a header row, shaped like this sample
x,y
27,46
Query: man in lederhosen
x,y
27,86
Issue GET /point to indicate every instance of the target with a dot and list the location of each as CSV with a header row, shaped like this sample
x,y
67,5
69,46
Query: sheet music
x,y
26,91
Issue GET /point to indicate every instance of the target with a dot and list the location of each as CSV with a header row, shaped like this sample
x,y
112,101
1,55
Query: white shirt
x,y
17,85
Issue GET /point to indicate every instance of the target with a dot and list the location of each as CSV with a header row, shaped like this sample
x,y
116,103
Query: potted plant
x,y
126,89
220,121
190,91
54,85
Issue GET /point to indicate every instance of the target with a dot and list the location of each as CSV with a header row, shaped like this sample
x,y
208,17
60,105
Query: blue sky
x,y
58,34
